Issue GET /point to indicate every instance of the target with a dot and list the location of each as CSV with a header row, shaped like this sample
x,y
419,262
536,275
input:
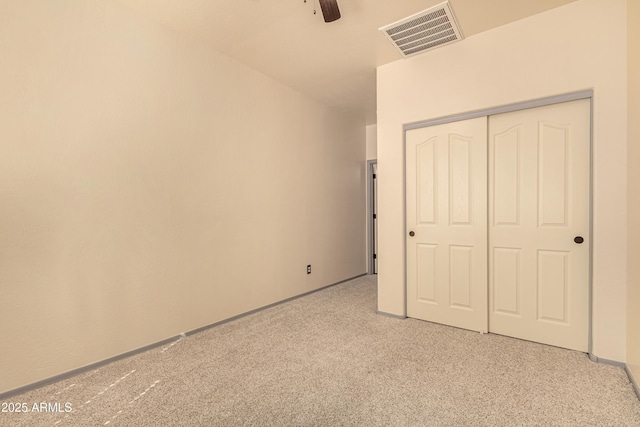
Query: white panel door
x,y
446,168
538,214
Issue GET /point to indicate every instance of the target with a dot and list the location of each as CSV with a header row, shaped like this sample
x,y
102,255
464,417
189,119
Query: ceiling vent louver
x,y
423,31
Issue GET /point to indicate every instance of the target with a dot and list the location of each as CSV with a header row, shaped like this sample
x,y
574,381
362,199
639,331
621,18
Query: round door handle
x,y
578,239
411,233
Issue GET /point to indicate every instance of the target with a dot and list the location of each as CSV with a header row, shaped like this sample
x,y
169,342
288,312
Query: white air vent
x,y
423,31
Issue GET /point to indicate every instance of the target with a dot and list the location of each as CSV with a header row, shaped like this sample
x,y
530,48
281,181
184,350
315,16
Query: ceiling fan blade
x,y
330,10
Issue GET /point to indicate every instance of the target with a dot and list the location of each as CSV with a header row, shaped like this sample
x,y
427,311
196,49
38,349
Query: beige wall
x,y
579,46
151,186
372,142
633,302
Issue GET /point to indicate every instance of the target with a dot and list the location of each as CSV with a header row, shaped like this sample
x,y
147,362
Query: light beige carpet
x,y
328,359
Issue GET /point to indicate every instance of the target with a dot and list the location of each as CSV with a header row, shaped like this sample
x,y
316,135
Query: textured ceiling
x,y
333,63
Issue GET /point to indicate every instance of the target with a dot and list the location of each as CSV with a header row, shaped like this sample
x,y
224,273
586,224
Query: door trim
x,y
524,105
506,108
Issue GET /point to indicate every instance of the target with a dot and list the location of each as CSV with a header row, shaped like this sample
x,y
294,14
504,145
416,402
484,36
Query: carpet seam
x,y
77,371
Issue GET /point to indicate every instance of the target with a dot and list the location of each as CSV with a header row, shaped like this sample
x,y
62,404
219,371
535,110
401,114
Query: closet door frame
x,y
540,102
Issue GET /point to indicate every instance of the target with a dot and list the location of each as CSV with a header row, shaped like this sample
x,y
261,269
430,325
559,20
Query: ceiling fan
x,y
330,10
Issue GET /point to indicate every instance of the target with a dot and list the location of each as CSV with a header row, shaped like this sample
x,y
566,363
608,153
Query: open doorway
x,y
372,216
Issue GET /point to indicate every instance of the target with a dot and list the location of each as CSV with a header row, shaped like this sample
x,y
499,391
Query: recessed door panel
x,y
460,180
553,172
553,284
461,272
427,179
506,172
426,274
506,281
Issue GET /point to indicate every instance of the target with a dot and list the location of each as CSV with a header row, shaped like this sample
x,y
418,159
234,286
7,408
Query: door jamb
x,y
371,232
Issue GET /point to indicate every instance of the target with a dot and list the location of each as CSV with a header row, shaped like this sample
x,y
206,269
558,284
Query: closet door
x,y
539,224
446,221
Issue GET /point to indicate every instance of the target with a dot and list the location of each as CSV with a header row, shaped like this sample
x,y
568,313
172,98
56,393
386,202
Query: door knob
x,y
578,239
411,233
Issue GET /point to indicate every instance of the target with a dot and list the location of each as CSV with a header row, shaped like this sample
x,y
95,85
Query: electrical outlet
x,y
309,269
